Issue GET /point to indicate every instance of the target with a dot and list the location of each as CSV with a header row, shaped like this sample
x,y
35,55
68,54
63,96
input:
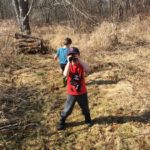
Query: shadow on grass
x,y
102,82
20,112
144,118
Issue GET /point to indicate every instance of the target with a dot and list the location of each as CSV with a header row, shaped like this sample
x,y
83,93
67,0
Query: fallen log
x,y
23,36
28,44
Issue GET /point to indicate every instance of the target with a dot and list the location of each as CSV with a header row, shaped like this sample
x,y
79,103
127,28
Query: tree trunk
x,y
23,7
120,13
127,7
22,12
16,7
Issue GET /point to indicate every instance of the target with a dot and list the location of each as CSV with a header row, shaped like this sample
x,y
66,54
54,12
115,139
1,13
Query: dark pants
x,y
62,66
69,105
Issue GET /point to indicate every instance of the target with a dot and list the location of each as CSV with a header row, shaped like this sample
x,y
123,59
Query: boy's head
x,y
73,52
67,41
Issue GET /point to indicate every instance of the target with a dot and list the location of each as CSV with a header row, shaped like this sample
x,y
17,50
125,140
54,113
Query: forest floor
x,y
32,97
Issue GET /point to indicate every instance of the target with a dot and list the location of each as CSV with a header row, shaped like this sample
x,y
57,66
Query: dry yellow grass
x,y
119,92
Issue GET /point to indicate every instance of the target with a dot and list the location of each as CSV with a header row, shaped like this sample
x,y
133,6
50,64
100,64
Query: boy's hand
x,y
55,57
68,58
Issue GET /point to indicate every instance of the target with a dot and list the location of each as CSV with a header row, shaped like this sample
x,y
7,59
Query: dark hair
x,y
67,41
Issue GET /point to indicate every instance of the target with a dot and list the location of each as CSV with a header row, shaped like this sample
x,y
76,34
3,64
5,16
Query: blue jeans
x,y
82,100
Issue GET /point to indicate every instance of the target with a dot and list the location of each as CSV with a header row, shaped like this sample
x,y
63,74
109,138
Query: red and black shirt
x,y
75,80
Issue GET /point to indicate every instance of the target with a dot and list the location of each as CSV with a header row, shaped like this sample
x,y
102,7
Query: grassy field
x,y
32,93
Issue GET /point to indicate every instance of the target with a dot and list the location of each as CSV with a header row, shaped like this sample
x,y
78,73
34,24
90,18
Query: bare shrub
x,y
8,56
100,37
134,30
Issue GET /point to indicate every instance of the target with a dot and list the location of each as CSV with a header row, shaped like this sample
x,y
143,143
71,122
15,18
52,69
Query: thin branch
x,y
82,13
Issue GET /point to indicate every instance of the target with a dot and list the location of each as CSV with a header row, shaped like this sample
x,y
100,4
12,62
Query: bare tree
x,y
1,10
74,12
22,14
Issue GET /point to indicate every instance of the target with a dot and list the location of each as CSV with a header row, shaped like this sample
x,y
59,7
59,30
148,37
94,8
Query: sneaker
x,y
88,120
89,124
61,126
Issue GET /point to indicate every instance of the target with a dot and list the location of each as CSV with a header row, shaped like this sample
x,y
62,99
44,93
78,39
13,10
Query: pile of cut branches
x,y
28,44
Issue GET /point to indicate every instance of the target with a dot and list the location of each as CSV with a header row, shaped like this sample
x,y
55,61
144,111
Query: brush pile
x,y
30,45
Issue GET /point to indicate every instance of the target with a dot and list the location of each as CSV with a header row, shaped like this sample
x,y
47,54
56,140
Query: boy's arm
x,y
67,69
56,55
85,66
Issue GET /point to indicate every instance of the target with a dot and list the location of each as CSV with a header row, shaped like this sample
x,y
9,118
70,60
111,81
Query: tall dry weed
x,y
100,38
135,29
9,59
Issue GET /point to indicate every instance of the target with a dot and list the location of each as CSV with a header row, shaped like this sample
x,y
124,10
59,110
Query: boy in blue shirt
x,y
62,55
